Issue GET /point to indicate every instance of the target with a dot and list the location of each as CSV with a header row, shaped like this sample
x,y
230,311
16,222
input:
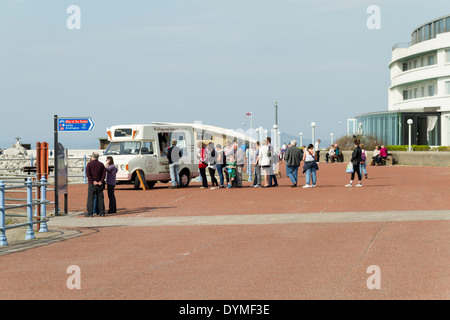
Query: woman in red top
x,y
202,158
383,152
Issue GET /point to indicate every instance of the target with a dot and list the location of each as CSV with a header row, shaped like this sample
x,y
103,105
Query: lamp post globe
x,y
410,122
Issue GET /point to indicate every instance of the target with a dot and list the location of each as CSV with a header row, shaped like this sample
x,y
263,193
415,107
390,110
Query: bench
x,y
388,161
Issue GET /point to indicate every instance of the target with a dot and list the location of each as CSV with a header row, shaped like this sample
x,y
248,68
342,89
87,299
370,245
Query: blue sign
x,y
75,124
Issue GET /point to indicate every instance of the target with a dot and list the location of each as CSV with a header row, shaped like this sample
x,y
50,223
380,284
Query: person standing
x,y
212,166
317,150
173,155
310,166
264,162
257,181
231,166
111,172
95,172
292,158
221,165
240,162
273,161
363,164
355,160
202,157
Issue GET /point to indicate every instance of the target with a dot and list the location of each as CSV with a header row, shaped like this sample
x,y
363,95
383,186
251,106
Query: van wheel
x,y
185,178
137,183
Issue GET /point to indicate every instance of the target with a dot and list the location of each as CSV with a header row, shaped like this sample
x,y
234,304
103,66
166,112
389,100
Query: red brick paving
x,y
287,261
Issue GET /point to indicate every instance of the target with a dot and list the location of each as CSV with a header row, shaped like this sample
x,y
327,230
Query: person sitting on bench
x,y
383,154
337,153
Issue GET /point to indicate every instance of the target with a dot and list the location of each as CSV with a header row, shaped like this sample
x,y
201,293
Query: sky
x,y
209,61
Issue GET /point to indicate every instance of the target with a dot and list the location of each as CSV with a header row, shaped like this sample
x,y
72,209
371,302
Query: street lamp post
x,y
276,112
275,137
301,139
313,125
410,122
331,136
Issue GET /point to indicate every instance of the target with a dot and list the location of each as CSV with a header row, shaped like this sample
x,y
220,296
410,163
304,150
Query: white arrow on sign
x,y
91,126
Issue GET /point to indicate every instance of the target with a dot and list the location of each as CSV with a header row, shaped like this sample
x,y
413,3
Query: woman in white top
x,y
264,162
310,166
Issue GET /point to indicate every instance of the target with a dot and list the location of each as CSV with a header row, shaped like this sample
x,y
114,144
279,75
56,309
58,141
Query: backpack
x,y
363,155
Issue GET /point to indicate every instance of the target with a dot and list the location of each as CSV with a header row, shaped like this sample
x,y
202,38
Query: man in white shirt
x,y
317,149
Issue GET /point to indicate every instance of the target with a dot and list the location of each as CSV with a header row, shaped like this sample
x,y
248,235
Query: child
x,y
231,166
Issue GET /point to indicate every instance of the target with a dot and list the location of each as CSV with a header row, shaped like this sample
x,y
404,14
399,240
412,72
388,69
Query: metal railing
x,y
18,172
29,205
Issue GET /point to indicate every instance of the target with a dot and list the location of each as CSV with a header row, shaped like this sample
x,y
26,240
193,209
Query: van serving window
x,y
123,132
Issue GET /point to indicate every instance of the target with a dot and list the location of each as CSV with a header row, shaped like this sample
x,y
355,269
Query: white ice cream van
x,y
144,147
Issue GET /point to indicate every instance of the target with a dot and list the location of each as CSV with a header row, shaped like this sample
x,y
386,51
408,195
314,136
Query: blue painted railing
x,y
29,205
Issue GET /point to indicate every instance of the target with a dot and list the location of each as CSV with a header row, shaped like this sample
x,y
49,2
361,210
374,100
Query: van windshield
x,y
123,147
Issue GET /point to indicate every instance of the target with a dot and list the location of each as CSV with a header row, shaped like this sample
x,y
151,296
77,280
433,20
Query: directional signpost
x,y
73,124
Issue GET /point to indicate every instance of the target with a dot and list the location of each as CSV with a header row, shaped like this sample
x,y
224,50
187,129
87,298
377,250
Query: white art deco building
x,y
420,90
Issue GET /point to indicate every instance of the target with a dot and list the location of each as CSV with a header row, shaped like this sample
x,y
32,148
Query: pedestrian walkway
x,y
73,221
248,243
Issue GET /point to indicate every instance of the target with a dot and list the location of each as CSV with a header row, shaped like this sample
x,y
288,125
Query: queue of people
x,y
230,162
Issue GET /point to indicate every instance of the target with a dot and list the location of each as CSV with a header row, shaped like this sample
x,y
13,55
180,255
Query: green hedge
x,y
417,148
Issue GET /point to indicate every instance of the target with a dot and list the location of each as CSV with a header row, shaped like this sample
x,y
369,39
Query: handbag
x,y
349,168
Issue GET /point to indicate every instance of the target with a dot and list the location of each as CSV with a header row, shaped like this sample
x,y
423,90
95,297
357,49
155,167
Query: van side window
x,y
180,138
147,147
164,143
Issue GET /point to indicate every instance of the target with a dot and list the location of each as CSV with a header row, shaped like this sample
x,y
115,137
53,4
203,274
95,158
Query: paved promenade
x,y
248,243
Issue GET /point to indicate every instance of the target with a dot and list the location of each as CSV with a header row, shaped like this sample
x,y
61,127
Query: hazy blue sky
x,y
197,60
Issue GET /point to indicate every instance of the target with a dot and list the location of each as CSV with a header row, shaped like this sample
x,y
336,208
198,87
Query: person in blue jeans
x,y
293,158
221,165
310,167
174,154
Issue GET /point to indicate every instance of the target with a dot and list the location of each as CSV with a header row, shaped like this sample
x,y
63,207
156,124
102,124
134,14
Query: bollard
x,y
30,232
43,227
3,241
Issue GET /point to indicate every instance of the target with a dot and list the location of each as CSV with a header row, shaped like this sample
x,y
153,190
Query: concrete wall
x,y
415,158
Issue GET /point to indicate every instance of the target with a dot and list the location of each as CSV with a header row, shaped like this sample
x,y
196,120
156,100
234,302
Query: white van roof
x,y
210,128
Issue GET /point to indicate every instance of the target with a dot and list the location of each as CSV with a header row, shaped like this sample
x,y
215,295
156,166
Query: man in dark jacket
x,y
293,157
95,172
173,155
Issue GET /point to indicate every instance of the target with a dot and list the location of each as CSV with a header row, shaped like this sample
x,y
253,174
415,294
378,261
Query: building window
x,y
427,32
405,94
430,60
422,91
431,90
419,34
448,55
405,65
447,24
447,87
439,26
